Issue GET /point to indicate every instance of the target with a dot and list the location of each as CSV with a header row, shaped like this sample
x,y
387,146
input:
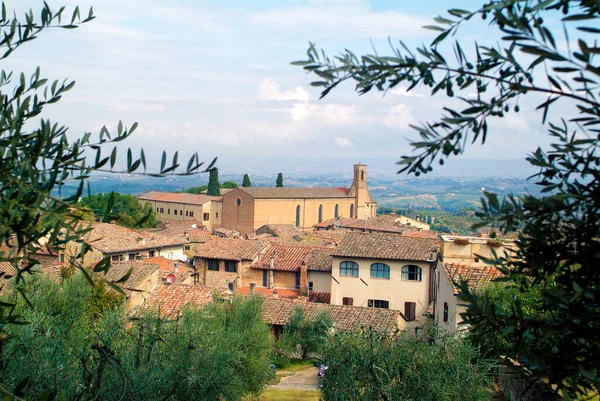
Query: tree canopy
x,y
124,210
246,181
546,61
279,181
214,188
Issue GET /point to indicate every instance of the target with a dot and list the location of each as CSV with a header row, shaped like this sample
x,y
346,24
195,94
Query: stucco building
x,y
247,209
172,206
384,271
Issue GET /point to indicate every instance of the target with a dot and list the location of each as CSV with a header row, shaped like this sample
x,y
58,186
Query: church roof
x,y
294,193
175,197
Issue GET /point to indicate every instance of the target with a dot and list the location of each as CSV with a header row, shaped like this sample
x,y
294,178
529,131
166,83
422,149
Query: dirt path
x,y
305,379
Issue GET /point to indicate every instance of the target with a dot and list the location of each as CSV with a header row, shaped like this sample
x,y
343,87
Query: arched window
x,y
362,175
445,312
336,213
380,270
320,213
349,269
238,202
412,273
352,211
298,216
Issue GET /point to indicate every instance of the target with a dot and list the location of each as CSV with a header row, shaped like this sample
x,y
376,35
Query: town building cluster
x,y
319,249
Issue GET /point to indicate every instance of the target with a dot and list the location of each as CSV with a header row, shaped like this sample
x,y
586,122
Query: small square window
x,y
191,214
175,212
348,301
213,265
151,254
231,266
476,260
205,216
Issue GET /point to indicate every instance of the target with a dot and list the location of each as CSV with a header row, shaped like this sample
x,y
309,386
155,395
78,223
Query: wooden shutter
x,y
409,310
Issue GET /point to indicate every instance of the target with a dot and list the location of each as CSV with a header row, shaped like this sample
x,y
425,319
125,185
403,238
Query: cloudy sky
x,y
215,76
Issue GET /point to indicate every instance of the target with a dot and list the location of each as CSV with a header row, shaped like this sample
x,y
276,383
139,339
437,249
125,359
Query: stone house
x,y
385,271
224,262
143,279
122,244
247,209
172,206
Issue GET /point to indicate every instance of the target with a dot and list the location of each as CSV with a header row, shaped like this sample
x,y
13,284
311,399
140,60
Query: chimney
x,y
271,271
303,280
275,294
252,285
176,267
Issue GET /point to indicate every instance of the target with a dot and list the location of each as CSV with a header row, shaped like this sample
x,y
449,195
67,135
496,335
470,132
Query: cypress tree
x,y
279,180
214,188
246,182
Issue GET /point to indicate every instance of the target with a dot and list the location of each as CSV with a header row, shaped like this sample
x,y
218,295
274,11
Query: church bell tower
x,y
363,204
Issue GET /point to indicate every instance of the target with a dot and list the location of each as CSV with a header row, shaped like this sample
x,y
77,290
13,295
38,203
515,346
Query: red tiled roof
x,y
183,228
267,292
140,272
476,276
175,197
230,249
285,257
345,318
374,224
292,193
290,258
163,263
320,297
172,298
111,238
280,230
420,234
7,270
381,246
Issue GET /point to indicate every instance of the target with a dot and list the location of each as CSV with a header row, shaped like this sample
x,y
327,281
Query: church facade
x,y
247,209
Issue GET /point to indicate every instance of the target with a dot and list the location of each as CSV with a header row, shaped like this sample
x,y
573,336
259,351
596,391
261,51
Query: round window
x,y
238,201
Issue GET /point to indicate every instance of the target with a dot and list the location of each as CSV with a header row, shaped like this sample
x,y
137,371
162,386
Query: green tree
x,y
246,182
376,367
229,185
38,158
80,343
124,210
279,182
196,190
310,334
214,188
559,227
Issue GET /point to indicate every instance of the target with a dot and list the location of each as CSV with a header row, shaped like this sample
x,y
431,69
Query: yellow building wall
x,y
283,211
407,221
395,290
466,254
321,280
165,211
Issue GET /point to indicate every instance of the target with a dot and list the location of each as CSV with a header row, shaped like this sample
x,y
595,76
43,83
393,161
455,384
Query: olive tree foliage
x,y
371,366
547,54
80,345
37,155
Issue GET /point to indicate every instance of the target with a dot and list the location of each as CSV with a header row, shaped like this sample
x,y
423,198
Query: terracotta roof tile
x,y
290,258
175,197
185,229
476,276
345,318
267,292
281,230
375,224
420,234
320,297
230,249
292,193
381,246
111,238
7,270
320,259
172,298
140,272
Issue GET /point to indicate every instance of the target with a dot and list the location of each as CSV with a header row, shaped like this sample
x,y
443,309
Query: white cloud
x,y
136,106
343,142
331,114
269,90
401,91
399,117
341,19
